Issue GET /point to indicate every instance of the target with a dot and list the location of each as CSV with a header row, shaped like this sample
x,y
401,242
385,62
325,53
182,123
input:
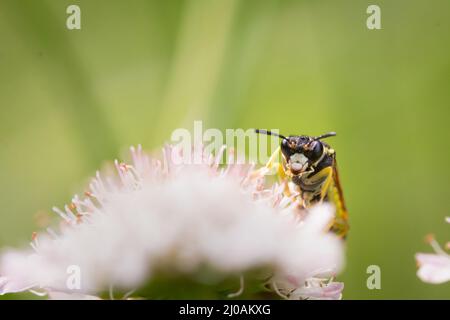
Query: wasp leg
x,y
339,225
270,165
322,180
324,176
328,173
272,160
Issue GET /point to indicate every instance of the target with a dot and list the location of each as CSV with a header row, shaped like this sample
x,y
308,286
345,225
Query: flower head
x,y
162,215
434,268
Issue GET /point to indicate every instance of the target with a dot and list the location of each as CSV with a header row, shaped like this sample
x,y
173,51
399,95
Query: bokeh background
x,y
71,100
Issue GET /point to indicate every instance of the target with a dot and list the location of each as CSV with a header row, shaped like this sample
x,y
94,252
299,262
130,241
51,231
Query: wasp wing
x,y
336,195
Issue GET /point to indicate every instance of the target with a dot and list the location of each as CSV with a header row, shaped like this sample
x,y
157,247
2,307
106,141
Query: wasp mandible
x,y
311,165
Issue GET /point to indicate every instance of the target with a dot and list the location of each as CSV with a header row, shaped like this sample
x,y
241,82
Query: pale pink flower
x,y
434,268
318,289
167,215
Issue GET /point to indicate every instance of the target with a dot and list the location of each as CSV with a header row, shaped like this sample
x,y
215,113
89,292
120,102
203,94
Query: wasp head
x,y
300,152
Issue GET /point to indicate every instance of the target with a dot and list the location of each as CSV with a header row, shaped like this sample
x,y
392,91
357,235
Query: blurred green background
x,y
71,100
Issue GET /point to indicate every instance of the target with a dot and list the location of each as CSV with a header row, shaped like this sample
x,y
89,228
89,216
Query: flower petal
x,y
330,291
433,268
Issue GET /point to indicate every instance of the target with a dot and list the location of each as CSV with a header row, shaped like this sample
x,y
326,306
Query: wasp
x,y
311,165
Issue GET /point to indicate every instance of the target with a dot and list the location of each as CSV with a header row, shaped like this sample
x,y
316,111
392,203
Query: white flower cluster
x,y
158,215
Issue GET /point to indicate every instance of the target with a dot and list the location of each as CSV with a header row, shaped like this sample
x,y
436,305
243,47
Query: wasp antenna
x,y
270,133
325,135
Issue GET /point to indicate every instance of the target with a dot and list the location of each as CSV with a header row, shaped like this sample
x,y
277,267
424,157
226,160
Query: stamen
x,y
52,233
40,294
111,293
123,166
69,212
128,294
34,241
33,246
277,291
434,244
61,214
241,288
219,157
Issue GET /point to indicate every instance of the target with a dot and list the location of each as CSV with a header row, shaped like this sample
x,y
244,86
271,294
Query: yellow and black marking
x,y
311,165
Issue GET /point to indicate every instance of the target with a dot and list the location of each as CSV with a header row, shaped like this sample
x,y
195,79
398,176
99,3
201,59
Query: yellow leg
x,y
328,172
270,166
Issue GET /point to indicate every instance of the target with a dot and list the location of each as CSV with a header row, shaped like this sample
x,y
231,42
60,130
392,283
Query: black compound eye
x,y
286,148
314,151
